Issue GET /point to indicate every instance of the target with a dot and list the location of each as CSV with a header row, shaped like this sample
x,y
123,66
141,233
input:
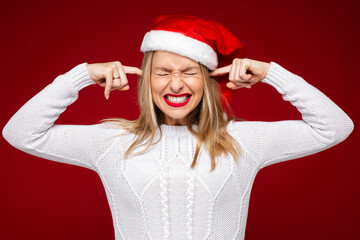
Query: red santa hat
x,y
204,41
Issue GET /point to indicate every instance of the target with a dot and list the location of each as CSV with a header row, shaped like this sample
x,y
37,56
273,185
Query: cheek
x,y
156,90
154,86
198,88
158,84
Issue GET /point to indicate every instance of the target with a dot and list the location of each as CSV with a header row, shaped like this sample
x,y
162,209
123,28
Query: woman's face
x,y
176,85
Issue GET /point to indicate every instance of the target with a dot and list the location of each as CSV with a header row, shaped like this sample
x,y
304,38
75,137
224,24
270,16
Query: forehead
x,y
172,60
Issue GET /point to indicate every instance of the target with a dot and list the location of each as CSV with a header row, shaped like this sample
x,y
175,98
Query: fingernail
x,y
248,86
107,96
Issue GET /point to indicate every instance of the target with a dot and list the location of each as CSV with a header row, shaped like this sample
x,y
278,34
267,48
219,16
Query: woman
x,y
183,169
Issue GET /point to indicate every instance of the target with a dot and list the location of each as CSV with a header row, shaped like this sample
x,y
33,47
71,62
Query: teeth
x,y
177,99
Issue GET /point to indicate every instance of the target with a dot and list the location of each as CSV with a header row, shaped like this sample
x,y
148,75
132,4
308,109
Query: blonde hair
x,y
209,116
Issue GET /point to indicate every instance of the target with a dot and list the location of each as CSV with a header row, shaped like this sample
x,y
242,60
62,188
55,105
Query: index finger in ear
x,y
220,71
132,70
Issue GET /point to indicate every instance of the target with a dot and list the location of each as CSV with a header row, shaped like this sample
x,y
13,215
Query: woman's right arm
x,y
32,128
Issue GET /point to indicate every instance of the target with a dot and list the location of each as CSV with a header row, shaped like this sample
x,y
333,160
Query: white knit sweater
x,y
156,195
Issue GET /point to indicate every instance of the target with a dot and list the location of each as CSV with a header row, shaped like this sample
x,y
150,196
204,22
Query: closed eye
x,y
162,74
191,74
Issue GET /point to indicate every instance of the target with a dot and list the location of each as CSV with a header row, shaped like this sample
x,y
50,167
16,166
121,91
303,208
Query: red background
x,y
315,197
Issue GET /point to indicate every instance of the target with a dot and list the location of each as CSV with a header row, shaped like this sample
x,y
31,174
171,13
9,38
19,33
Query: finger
x,y
242,74
125,88
132,70
234,86
232,70
220,71
124,80
117,73
250,83
109,80
237,70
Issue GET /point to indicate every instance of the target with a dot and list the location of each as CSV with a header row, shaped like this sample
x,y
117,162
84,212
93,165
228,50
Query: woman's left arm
x,y
323,124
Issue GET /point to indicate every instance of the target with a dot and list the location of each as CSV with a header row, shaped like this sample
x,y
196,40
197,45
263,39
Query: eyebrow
x,y
165,69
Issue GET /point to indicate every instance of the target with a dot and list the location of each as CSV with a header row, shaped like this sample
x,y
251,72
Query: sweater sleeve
x,y
323,123
33,131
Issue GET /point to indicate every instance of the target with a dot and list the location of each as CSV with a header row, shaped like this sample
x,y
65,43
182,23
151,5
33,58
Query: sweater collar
x,y
171,130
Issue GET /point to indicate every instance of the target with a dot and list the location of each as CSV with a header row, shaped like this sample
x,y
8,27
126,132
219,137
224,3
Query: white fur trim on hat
x,y
159,40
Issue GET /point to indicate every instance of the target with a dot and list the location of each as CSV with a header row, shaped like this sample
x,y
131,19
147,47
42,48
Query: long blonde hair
x,y
209,116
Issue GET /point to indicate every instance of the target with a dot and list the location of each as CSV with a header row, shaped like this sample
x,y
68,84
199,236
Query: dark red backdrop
x,y
316,197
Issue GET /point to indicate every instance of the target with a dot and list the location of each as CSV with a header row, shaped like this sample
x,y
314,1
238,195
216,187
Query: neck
x,y
175,122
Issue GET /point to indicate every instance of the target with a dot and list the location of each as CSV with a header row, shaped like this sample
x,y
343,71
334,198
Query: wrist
x,y
267,67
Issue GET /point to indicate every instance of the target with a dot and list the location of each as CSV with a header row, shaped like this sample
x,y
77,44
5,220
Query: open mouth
x,y
180,99
177,101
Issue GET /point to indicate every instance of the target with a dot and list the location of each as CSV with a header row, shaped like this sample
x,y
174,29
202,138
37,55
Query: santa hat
x,y
204,41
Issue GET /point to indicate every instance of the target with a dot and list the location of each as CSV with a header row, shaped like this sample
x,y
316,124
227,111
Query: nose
x,y
176,83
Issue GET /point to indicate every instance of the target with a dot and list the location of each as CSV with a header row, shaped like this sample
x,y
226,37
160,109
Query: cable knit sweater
x,y
156,195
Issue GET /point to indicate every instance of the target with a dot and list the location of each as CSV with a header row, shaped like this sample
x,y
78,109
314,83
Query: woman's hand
x,y
243,72
111,75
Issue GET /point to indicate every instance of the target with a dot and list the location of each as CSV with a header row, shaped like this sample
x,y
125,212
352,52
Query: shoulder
x,y
248,131
249,134
242,125
255,128
110,138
